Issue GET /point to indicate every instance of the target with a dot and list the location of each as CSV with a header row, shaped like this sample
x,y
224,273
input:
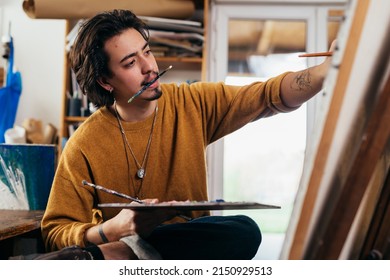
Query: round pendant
x,y
141,173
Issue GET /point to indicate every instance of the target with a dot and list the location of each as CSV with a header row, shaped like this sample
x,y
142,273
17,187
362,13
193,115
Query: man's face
x,y
133,65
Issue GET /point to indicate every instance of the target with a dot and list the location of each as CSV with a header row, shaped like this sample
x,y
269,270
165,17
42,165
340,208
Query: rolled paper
x,y
81,9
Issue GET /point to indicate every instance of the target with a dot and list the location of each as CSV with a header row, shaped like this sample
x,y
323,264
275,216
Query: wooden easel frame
x,y
376,244
372,146
325,237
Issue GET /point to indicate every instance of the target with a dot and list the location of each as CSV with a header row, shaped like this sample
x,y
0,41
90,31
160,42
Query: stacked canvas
x,y
26,175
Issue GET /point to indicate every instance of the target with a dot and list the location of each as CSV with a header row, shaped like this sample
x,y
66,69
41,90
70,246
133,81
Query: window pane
x,y
263,161
261,38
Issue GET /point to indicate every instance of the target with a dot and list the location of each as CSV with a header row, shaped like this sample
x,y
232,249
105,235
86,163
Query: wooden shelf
x,y
198,60
70,119
180,64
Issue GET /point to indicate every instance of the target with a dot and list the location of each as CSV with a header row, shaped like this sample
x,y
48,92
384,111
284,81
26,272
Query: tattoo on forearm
x,y
302,81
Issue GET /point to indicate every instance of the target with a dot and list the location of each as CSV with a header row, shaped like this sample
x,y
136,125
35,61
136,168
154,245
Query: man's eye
x,y
131,63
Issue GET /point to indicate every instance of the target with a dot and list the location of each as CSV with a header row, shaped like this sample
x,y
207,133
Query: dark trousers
x,y
208,238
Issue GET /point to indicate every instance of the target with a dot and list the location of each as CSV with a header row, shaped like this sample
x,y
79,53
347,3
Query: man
x,y
153,149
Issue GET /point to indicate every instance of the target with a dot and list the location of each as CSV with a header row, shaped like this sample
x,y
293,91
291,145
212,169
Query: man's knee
x,y
247,237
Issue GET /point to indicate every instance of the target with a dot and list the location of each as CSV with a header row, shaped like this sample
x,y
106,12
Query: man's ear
x,y
104,84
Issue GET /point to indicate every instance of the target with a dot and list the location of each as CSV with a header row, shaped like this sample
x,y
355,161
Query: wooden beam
x,y
264,44
372,146
363,223
377,240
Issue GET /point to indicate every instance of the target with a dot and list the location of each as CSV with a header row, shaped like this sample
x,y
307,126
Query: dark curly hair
x,y
87,57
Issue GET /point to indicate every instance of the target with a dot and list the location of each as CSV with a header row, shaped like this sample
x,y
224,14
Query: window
x,y
264,160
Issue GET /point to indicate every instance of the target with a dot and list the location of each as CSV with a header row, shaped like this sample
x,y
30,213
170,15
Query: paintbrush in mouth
x,y
149,84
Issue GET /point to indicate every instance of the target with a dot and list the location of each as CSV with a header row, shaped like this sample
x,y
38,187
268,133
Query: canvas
x,y
26,175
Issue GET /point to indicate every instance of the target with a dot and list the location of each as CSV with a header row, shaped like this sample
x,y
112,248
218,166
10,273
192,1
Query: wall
x,y
39,56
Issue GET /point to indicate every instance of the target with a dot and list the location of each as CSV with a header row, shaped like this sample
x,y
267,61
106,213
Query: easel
x,y
372,146
376,245
343,181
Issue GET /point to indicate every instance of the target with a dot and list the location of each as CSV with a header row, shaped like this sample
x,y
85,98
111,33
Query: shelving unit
x,y
181,64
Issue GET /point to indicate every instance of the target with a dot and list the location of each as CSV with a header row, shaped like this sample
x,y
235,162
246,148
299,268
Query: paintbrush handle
x,y
85,183
316,54
149,84
112,192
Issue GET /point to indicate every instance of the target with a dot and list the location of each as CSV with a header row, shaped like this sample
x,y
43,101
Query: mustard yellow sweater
x,y
189,118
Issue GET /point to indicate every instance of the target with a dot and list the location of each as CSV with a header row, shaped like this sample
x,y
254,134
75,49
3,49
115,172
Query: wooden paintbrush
x,y
149,84
85,183
316,54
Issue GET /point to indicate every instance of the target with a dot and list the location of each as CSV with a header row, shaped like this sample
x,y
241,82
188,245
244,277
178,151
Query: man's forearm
x,y
298,87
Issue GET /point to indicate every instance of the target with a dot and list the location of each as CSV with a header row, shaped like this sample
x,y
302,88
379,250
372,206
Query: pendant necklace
x,y
141,172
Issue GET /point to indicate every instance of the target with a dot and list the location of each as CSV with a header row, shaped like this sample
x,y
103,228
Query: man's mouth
x,y
148,84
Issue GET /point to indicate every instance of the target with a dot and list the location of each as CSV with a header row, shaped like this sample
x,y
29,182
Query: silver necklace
x,y
141,172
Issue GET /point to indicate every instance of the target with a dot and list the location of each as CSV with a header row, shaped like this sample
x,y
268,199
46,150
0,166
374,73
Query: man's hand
x,y
298,87
143,222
